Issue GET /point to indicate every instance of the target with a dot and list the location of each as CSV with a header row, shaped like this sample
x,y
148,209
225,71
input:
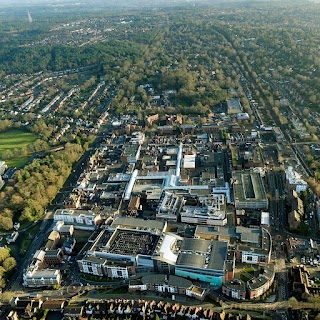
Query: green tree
x,y
4,254
9,264
6,223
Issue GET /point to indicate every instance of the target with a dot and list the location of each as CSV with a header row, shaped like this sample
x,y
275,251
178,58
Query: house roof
x,y
53,304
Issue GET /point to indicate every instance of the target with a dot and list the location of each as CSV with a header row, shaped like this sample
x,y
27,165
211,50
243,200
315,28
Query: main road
x,y
47,222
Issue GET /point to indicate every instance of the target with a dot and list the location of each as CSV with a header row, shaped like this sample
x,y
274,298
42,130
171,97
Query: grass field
x,y
247,274
16,139
27,239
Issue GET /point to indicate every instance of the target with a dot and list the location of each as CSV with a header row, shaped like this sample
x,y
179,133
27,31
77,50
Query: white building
x,y
170,206
81,219
99,266
265,219
117,272
243,116
34,278
211,212
1,183
3,167
137,138
189,161
294,180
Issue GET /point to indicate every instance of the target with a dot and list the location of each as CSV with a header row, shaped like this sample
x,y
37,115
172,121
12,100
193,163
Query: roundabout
x,y
74,288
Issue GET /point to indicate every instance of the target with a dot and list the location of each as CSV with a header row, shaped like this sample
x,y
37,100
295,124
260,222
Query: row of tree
x,y
7,264
36,186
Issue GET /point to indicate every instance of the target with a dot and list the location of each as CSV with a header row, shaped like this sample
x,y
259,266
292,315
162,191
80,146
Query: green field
x,y
16,139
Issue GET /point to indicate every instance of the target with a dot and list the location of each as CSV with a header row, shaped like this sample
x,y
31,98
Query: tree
x,y
6,223
2,282
4,254
306,149
9,264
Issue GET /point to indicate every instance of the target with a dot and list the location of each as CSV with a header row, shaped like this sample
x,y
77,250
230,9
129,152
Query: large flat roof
x,y
191,260
167,248
215,231
249,235
169,279
139,224
44,273
189,161
132,242
248,186
219,251
195,245
203,254
234,105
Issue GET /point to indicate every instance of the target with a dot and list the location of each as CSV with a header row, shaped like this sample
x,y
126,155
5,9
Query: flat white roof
x,y
265,218
166,247
189,161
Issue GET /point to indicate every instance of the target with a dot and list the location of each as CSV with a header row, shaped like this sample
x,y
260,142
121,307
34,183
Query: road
x,y
275,187
15,282
46,222
80,165
257,86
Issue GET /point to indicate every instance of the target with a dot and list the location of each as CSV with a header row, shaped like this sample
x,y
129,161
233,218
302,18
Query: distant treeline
x,y
54,58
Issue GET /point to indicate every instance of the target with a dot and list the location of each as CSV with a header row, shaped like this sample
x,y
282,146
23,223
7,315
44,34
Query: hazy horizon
x,y
128,2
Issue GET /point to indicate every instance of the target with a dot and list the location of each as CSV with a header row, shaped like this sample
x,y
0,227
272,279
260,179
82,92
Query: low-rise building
x,y
249,191
294,180
133,205
258,286
251,245
53,240
35,278
196,292
189,161
3,168
53,257
92,265
196,259
255,246
301,246
131,153
170,206
123,252
233,106
167,283
81,219
278,134
235,289
295,216
64,230
209,212
294,220
166,129
68,245
73,201
153,226
12,237
1,183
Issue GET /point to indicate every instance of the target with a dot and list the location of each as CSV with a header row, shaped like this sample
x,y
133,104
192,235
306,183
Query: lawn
x,y
16,139
247,274
27,239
